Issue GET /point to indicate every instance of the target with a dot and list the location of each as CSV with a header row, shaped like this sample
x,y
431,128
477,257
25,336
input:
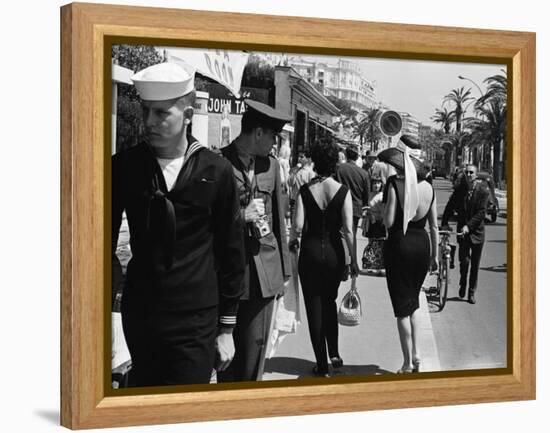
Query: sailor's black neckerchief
x,y
161,216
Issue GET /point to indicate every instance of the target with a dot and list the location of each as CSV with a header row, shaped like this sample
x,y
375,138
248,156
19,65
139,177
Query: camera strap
x,y
249,178
249,183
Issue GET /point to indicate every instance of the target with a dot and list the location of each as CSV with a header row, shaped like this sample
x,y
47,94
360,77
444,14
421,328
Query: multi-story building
x,y
311,111
410,124
343,80
426,139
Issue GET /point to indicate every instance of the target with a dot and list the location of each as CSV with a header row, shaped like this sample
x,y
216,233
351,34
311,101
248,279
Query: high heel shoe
x,y
337,362
315,370
416,365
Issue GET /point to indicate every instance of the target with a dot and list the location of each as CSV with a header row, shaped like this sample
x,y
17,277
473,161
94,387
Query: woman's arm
x,y
297,224
434,236
389,210
347,230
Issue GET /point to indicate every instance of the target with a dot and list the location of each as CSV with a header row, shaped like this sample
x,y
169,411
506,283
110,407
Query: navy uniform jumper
x,y
185,277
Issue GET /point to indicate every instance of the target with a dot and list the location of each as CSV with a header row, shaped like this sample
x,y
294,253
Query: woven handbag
x,y
350,310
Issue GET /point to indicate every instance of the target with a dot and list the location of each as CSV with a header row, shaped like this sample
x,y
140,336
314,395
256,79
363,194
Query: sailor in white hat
x,y
184,280
167,93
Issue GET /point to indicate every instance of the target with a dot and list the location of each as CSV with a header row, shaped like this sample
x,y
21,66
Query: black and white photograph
x,y
286,216
292,216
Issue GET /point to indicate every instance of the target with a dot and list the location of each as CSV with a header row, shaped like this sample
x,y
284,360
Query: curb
x,y
428,345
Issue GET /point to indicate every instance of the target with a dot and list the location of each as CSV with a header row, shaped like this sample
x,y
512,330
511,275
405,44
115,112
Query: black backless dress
x,y
320,266
406,258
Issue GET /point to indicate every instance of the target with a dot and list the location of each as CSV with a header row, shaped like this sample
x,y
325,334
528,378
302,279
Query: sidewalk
x,y
500,193
372,348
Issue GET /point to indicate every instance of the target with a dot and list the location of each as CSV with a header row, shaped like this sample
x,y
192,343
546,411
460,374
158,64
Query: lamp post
x,y
473,82
461,77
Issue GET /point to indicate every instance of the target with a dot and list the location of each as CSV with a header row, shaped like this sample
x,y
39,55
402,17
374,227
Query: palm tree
x,y
346,124
445,118
367,128
459,97
492,108
459,140
491,128
497,88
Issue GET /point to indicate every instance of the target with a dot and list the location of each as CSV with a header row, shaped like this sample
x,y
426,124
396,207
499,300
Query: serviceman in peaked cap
x,y
185,277
263,218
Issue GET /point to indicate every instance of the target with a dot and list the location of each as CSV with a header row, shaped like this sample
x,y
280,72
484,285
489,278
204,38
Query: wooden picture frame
x,y
86,398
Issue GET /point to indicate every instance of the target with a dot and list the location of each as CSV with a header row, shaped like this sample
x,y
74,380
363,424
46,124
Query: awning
x,y
323,126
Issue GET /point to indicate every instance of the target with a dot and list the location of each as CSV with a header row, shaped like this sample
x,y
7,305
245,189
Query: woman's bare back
x,y
425,195
324,191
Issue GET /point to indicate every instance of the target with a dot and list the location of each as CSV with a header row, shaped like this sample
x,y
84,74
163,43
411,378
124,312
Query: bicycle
x,y
442,286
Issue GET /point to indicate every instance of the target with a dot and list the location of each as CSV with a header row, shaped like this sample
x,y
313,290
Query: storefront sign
x,y
219,97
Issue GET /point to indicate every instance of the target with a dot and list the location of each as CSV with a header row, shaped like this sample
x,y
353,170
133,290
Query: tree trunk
x,y
503,166
496,162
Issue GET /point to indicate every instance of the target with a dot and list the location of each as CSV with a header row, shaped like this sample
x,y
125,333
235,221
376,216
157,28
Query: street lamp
x,y
473,82
477,86
481,95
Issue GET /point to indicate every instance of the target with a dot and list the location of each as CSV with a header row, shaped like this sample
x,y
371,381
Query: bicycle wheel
x,y
443,283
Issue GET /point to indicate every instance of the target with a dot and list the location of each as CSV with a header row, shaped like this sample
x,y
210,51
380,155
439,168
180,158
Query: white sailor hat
x,y
164,81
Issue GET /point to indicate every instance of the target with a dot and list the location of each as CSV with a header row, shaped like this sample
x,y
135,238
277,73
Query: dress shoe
x,y
462,292
471,298
337,362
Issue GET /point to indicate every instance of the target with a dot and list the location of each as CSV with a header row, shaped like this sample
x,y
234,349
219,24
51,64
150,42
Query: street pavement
x,y
462,336
371,348
474,336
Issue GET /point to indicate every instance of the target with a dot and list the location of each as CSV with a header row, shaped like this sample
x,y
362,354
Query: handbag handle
x,y
354,289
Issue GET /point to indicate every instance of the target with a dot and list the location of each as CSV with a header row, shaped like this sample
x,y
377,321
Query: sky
x,y
418,87
414,86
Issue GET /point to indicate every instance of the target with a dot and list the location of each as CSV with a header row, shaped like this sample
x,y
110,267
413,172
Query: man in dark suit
x,y
357,180
184,280
263,218
469,199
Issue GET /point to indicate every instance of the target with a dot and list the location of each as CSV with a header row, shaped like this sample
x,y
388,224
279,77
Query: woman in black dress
x,y
324,208
410,202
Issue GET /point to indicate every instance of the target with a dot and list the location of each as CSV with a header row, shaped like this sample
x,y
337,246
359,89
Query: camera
x,y
260,227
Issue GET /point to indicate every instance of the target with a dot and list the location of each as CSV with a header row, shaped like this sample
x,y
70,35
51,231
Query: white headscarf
x,y
411,187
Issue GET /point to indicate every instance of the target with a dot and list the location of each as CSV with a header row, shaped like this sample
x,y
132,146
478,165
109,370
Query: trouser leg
x,y
464,259
475,260
251,336
453,253
171,347
187,346
330,319
314,311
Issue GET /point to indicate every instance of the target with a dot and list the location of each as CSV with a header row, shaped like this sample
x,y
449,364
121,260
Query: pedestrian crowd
x,y
213,237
